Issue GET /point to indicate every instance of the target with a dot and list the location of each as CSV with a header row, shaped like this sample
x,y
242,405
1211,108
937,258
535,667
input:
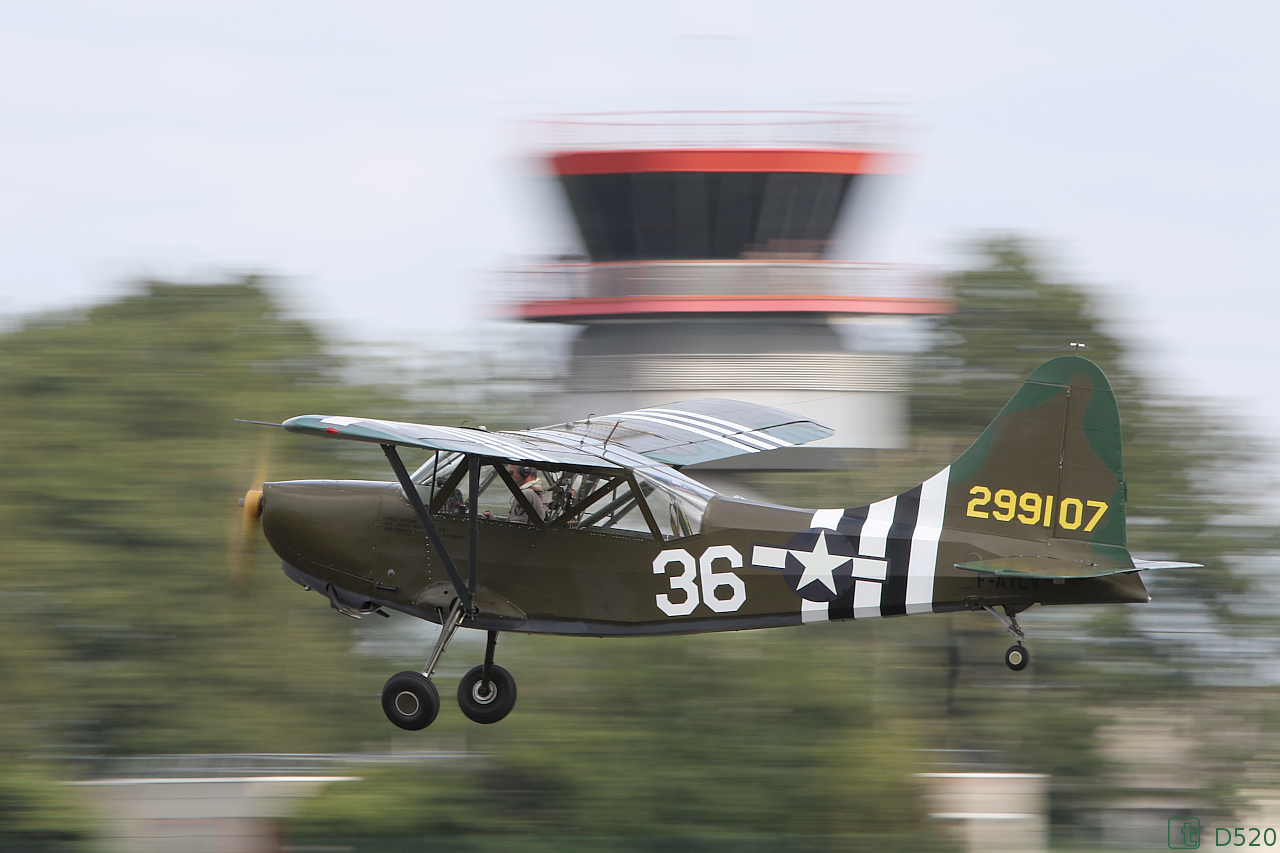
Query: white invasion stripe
x,y
739,429
768,557
612,456
511,449
484,439
504,447
710,423
686,422
875,530
814,611
866,599
828,518
782,442
763,436
695,430
924,542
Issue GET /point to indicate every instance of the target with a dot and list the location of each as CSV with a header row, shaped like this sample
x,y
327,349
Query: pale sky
x,y
369,153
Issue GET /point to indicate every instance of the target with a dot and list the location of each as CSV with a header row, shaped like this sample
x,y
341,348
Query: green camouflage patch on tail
x,y
1049,467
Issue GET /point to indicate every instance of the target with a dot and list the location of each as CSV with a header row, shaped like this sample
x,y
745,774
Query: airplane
x,y
589,528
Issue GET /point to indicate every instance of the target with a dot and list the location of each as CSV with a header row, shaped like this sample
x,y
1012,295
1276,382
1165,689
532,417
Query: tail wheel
x,y
410,700
1017,657
487,703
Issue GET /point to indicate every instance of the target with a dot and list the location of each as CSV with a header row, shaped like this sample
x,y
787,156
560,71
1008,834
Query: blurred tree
x,y
746,741
1193,477
1183,466
1186,492
129,627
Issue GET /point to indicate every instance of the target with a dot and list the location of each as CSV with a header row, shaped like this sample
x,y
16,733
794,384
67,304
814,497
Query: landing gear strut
x,y
487,693
410,699
1016,657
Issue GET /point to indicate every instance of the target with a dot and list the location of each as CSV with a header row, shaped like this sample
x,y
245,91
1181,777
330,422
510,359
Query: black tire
x,y
480,708
1017,657
410,700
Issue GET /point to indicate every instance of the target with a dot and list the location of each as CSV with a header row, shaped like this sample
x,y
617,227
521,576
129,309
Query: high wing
x,y
515,447
696,430
676,434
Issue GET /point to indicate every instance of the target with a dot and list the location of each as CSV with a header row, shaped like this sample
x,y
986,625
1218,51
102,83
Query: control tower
x,y
707,272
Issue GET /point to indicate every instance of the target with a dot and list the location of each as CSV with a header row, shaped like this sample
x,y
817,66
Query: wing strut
x,y
473,537
424,517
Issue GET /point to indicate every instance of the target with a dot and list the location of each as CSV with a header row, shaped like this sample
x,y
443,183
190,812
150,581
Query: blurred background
x,y
883,216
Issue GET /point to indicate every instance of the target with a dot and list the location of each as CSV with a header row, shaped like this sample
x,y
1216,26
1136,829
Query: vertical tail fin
x,y
1050,465
1041,493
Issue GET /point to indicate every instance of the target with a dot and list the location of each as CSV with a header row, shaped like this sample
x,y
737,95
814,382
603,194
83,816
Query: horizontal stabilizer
x,y
1146,565
1051,567
1042,567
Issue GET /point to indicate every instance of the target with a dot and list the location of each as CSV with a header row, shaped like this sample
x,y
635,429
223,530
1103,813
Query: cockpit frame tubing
x,y
577,509
424,518
473,520
643,500
448,487
518,494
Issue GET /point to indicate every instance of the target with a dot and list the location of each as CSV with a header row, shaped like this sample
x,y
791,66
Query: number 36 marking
x,y
700,573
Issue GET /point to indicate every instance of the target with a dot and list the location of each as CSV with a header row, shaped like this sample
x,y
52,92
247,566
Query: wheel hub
x,y
407,703
481,695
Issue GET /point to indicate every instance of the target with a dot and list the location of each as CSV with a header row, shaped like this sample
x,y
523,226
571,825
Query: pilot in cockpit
x,y
531,487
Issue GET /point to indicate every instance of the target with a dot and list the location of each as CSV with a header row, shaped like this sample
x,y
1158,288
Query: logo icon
x,y
1184,833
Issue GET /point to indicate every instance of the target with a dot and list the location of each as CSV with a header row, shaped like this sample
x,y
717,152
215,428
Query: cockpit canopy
x,y
645,502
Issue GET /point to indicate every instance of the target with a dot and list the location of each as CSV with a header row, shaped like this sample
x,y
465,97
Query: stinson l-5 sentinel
x,y
626,545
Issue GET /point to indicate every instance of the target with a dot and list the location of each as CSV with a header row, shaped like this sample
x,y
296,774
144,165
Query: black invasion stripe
x,y
850,525
851,522
893,596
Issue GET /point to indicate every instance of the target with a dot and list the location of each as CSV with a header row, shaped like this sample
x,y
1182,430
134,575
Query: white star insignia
x,y
819,564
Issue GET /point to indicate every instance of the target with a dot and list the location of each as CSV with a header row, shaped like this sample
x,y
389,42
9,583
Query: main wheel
x,y
490,705
410,700
1017,657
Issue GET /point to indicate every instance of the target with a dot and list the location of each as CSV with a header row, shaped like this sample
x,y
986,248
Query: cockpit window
x,y
688,497
661,498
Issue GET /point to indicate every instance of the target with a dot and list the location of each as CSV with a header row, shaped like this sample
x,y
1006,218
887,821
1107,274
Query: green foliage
x,y
37,813
119,507
128,626
749,738
1188,472
1183,467
1008,320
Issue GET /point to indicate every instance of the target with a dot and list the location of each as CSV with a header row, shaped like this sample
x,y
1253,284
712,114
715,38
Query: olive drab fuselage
x,y
363,538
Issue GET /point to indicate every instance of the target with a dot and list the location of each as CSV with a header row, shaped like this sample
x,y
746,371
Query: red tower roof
x,y
716,213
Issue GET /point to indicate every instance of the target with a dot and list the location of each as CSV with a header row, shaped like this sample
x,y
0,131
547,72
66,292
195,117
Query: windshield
x,y
688,496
